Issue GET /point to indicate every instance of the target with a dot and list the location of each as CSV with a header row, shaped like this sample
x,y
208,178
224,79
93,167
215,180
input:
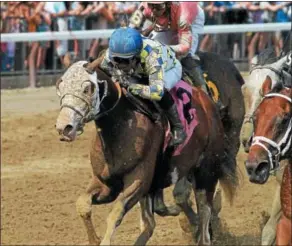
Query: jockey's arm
x,y
187,16
139,16
185,40
154,91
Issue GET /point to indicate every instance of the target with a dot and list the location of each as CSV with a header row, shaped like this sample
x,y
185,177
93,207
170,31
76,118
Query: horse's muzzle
x,y
66,126
67,134
258,172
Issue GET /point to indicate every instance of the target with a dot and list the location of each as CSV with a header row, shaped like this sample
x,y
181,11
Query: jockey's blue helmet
x,y
125,43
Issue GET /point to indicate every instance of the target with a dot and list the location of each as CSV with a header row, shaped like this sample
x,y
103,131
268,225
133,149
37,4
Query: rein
x,y
98,116
285,141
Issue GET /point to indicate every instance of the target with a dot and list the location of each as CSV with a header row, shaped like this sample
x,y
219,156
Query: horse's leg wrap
x,y
269,231
147,222
217,202
204,211
181,193
125,201
161,209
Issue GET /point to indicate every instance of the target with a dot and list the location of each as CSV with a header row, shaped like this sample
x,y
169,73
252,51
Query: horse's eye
x,y
86,90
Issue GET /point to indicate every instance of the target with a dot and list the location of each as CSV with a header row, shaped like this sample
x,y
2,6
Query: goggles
x,y
122,61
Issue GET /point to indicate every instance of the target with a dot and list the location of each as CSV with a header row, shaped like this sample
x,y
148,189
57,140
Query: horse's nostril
x,y
262,168
67,129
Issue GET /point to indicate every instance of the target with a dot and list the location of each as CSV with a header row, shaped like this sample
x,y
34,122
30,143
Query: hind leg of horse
x,y
204,204
284,232
97,193
147,224
130,195
181,193
161,209
269,230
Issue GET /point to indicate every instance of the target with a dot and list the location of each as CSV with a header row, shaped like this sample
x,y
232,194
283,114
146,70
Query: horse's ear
x,y
267,86
67,61
90,67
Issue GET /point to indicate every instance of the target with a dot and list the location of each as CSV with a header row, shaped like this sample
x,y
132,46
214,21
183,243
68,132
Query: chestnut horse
x,y
272,143
127,158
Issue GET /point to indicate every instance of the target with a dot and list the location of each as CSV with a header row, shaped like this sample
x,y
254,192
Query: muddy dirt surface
x,y
42,177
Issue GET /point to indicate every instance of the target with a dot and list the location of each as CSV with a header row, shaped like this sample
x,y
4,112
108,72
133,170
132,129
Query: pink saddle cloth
x,y
182,96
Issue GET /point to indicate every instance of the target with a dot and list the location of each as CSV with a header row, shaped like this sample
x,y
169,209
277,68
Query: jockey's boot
x,y
177,130
194,71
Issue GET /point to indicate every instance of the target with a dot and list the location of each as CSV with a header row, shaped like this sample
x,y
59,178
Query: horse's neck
x,y
115,111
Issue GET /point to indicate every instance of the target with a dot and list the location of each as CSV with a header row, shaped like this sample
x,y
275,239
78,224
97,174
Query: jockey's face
x,y
157,9
125,64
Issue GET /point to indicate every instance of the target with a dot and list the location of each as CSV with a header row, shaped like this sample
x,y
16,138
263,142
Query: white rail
x,y
95,34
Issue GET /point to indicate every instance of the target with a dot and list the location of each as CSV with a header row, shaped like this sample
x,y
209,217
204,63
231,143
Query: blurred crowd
x,y
19,17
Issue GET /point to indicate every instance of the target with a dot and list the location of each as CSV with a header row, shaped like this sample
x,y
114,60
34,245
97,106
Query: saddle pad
x,y
182,96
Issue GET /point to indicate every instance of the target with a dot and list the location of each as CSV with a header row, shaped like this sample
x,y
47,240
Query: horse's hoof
x,y
168,211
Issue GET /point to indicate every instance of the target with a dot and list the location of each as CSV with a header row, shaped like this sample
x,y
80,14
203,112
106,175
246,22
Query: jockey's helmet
x,y
125,43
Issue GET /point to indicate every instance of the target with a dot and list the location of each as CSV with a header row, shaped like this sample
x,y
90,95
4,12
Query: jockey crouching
x,y
132,54
187,20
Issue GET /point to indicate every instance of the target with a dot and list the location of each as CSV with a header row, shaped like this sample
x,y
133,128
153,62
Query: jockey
x,y
187,20
131,54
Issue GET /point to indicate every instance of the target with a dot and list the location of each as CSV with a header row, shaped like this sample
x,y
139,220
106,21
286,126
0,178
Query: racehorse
x,y
224,81
271,143
128,158
265,64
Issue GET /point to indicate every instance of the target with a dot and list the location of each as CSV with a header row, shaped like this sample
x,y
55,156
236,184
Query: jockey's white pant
x,y
172,76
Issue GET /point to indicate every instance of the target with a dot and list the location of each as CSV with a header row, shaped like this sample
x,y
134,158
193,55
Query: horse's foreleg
x,y
181,193
269,231
284,232
125,201
84,205
147,220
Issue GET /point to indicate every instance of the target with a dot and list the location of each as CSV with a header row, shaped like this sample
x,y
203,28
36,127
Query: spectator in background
x,y
259,40
207,41
58,10
122,12
38,21
12,25
281,15
76,22
105,15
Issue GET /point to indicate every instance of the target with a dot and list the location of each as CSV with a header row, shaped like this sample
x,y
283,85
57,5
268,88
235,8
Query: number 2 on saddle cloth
x,y
182,96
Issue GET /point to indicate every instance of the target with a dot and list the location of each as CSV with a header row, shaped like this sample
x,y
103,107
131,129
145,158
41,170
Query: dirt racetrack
x,y
42,177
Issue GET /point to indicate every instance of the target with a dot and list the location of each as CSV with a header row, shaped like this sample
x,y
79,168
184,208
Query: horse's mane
x,y
267,56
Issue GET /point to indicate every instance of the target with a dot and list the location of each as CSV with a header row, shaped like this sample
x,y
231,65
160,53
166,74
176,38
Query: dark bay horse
x,y
272,143
127,152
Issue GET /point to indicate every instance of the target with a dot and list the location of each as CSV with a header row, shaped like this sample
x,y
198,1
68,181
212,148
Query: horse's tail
x,y
229,174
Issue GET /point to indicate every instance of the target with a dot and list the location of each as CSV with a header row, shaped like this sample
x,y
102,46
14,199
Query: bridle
x,y
282,146
89,113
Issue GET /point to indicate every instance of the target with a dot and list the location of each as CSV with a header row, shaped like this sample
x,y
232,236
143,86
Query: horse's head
x,y
271,140
78,90
262,66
